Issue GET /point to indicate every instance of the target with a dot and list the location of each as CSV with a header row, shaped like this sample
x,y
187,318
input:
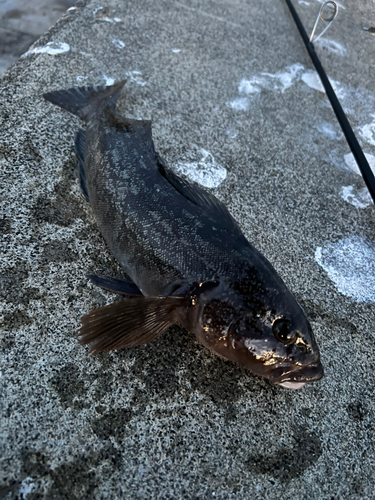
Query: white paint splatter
x,y
302,2
367,132
118,43
252,86
331,45
239,104
176,51
108,81
329,130
206,171
80,79
281,80
285,78
360,198
26,487
350,264
136,77
51,48
355,101
72,8
311,78
352,164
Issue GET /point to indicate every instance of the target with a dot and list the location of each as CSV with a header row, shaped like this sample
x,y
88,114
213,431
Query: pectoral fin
x,y
130,322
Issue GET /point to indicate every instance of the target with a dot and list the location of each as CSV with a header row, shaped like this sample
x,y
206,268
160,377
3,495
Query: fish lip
x,y
300,374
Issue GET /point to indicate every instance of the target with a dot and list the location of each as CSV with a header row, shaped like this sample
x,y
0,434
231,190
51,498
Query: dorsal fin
x,y
210,205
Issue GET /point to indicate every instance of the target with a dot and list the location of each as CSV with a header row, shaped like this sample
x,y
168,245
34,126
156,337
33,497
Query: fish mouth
x,y
296,377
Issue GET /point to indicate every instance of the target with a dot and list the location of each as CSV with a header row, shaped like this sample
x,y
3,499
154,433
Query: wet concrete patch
x,y
289,462
13,287
16,319
160,378
70,387
357,411
5,225
26,153
63,208
112,424
188,368
217,380
58,251
75,480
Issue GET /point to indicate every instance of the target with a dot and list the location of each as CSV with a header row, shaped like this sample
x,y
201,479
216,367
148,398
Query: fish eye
x,y
283,331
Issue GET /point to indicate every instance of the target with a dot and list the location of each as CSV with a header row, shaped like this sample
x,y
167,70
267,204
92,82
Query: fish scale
x,y
112,197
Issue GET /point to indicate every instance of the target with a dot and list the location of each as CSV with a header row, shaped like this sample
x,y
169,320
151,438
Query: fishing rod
x,y
358,154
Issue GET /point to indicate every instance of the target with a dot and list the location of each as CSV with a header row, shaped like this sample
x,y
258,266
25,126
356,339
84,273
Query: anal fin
x,y
129,323
79,147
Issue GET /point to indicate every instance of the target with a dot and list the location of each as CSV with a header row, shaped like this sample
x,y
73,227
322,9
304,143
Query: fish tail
x,y
82,101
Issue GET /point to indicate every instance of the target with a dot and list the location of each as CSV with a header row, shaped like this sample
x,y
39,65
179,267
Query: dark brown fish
x,y
186,256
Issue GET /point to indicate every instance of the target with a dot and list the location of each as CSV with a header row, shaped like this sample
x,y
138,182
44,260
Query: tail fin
x,y
82,101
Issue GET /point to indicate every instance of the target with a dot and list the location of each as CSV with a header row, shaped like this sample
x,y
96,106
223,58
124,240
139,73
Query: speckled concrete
x,y
169,420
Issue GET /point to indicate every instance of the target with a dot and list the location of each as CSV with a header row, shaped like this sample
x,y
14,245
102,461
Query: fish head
x,y
258,323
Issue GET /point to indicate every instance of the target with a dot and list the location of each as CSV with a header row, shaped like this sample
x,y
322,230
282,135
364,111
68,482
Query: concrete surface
x,y
22,22
170,420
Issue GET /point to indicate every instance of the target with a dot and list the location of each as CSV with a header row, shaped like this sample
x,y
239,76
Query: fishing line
x,y
351,139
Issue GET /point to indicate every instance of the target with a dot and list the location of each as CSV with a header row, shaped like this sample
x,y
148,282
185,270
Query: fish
x,y
188,261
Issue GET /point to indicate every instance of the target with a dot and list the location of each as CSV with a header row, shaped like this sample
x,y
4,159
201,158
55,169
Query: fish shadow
x,y
176,366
